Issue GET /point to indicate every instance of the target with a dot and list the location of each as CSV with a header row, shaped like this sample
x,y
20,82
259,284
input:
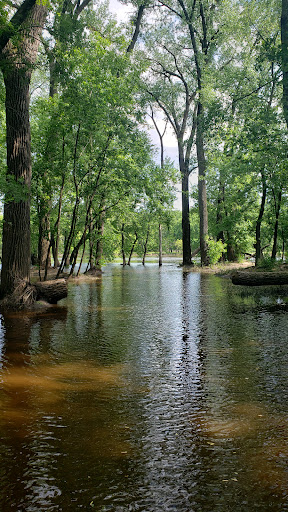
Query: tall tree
x,y
173,89
17,60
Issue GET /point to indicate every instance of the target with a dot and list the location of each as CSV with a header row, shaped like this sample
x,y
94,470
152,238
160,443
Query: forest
x,y
81,180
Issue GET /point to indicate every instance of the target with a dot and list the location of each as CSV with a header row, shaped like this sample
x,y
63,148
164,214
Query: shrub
x,y
215,250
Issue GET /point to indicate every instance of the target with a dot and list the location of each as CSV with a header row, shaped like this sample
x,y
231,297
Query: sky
x,y
120,10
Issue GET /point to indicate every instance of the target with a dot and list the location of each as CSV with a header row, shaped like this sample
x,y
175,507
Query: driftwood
x,y
51,291
260,278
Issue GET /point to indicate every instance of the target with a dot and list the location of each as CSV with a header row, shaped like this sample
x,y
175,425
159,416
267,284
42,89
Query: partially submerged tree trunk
x,y
260,278
160,246
186,240
25,294
51,291
122,245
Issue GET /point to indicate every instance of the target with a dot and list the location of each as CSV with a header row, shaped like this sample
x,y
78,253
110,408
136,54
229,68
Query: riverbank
x,y
227,268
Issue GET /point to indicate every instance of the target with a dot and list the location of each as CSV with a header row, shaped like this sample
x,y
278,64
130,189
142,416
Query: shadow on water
x,y
150,389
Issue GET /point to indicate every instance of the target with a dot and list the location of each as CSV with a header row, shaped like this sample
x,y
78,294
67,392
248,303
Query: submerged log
x,y
26,295
51,291
260,278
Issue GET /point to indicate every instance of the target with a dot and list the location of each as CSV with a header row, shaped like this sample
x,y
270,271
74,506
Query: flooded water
x,y
149,390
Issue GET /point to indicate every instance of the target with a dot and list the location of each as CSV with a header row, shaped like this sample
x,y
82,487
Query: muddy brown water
x,y
149,390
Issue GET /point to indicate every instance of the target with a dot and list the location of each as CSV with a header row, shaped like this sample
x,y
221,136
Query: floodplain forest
x,y
81,180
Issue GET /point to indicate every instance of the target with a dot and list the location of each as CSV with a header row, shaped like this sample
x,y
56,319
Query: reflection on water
x,y
148,390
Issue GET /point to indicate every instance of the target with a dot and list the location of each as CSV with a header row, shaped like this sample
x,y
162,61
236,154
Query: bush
x,y
268,264
215,250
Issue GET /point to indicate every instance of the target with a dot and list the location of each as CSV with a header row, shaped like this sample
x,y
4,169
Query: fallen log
x,y
260,278
51,291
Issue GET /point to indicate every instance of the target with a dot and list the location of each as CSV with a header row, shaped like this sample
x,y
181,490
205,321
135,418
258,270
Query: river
x,y
148,390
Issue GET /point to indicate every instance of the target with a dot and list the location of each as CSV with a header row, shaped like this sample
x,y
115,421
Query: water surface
x,y
149,390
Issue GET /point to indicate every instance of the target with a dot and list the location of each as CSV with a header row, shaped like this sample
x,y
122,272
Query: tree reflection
x,y
24,474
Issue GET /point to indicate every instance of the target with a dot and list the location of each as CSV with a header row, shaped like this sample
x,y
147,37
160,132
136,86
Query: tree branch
x,y
137,28
16,21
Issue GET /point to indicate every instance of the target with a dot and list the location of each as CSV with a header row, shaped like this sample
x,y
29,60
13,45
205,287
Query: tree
x,y
172,87
17,60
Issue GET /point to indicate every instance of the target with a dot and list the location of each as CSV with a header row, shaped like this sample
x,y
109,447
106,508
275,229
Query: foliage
x,y
215,250
92,155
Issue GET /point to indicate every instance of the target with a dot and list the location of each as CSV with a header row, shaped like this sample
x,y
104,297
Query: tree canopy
x,y
91,183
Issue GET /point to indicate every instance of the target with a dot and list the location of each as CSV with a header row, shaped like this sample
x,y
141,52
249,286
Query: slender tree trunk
x,y
65,257
276,225
99,243
186,242
202,193
219,214
48,262
145,246
75,209
132,249
258,256
161,137
57,225
82,257
122,245
160,246
44,240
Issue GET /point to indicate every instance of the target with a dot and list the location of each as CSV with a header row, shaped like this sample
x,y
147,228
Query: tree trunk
x,y
202,193
160,246
132,250
122,245
145,247
16,222
231,255
260,278
81,260
16,64
276,225
44,240
65,257
186,242
99,242
51,291
259,255
219,215
283,245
